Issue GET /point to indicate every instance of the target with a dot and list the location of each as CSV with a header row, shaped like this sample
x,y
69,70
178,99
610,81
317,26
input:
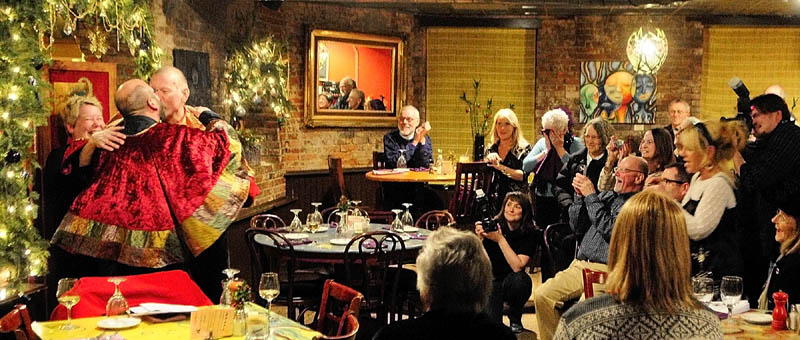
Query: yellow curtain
x,y
503,60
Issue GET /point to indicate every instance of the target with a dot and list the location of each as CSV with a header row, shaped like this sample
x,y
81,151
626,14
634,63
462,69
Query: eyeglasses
x,y
545,131
673,181
623,170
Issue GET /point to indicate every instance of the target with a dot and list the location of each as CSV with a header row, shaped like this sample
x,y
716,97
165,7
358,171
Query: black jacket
x,y
563,189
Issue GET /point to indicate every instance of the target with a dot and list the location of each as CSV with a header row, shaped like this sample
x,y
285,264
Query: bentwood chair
x,y
469,178
338,301
299,288
593,280
372,269
560,246
349,330
434,219
18,321
267,221
380,216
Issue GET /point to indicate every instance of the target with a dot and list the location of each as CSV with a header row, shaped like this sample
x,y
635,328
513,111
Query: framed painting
x,y
198,75
614,92
68,79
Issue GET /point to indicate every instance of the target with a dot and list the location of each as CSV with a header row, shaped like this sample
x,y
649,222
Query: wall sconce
x,y
647,50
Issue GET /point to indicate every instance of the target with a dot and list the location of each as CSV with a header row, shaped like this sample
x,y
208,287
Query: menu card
x,y
211,323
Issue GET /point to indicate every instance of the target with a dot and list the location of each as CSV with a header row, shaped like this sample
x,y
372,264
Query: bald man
x,y
346,85
162,200
171,87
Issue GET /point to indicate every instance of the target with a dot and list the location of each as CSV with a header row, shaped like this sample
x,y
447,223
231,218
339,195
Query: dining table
x,y
281,327
741,329
326,246
411,176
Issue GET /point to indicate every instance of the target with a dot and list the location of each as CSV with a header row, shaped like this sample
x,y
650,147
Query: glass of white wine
x,y
269,288
69,299
314,220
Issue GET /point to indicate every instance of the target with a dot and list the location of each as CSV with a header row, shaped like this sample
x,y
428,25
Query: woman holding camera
x,y
505,155
510,241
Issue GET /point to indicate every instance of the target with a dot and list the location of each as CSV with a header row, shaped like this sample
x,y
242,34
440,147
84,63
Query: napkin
x,y
722,311
418,237
301,241
420,169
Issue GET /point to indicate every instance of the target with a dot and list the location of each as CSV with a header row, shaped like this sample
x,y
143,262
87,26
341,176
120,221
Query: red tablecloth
x,y
174,286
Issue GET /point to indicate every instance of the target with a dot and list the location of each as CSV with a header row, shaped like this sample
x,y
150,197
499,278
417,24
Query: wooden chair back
x,y
336,173
349,330
378,160
372,268
279,258
560,246
469,177
380,216
434,219
593,281
338,301
267,221
18,321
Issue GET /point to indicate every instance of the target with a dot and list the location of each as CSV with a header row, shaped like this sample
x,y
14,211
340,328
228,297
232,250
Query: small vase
x,y
478,148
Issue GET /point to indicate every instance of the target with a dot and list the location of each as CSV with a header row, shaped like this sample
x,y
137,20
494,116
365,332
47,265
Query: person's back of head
x,y
454,274
644,272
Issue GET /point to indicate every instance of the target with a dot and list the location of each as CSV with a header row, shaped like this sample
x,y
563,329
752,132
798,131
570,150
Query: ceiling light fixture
x,y
647,50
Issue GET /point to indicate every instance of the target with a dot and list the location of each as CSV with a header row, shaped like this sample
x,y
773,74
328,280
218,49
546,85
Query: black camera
x,y
486,217
742,104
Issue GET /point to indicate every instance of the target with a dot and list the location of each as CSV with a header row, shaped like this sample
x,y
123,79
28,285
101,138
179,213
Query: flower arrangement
x,y
344,204
478,116
241,292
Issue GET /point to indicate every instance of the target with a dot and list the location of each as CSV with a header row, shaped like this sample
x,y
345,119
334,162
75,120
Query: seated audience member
x,y
784,273
510,245
707,149
592,219
148,207
674,181
656,148
323,101
454,278
411,139
556,126
346,85
631,146
509,147
588,162
649,293
356,100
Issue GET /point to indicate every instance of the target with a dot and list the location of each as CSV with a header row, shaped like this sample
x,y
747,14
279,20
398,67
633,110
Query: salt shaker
x,y
779,315
794,318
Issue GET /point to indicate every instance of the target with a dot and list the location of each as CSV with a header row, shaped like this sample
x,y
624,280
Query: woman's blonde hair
x,y
453,271
516,136
727,138
73,108
649,261
792,243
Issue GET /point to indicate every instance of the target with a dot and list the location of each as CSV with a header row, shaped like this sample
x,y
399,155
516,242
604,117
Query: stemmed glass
x,y
397,226
314,220
268,288
703,288
407,219
116,305
401,160
731,292
67,299
296,225
227,298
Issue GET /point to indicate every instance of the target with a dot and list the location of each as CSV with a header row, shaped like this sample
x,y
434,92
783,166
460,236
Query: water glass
x,y
703,288
116,305
731,292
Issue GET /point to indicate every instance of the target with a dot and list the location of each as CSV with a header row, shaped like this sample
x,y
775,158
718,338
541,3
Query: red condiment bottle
x,y
779,314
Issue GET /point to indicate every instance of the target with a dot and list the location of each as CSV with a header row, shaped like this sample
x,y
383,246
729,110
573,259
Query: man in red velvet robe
x,y
162,200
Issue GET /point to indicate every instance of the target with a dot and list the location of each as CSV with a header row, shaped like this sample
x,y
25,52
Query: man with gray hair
x,y
346,85
170,85
356,100
162,200
411,139
678,111
592,218
454,278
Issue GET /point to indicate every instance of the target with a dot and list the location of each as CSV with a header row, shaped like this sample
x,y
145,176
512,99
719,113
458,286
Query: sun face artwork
x,y
612,91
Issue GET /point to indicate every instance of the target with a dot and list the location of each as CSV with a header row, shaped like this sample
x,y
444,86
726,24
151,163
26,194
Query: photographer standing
x,y
509,248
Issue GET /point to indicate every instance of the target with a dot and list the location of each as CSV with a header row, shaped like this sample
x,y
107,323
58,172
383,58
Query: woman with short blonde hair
x,y
648,287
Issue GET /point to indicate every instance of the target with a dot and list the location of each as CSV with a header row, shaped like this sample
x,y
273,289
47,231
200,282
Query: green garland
x,y
257,80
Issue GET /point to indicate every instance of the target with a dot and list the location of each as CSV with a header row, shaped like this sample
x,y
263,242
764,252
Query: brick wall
x,y
563,43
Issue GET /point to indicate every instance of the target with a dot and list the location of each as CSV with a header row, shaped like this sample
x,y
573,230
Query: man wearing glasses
x,y
592,217
674,181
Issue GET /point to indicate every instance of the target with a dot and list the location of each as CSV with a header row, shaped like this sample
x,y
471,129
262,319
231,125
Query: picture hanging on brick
x,y
614,92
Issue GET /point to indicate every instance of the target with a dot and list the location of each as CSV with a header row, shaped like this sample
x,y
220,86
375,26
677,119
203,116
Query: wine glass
x,y
397,225
296,225
227,298
731,292
314,220
401,161
68,299
116,305
269,287
407,219
703,288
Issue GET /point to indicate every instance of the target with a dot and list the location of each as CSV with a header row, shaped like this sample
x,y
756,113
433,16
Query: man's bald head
x,y
135,97
170,85
777,90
